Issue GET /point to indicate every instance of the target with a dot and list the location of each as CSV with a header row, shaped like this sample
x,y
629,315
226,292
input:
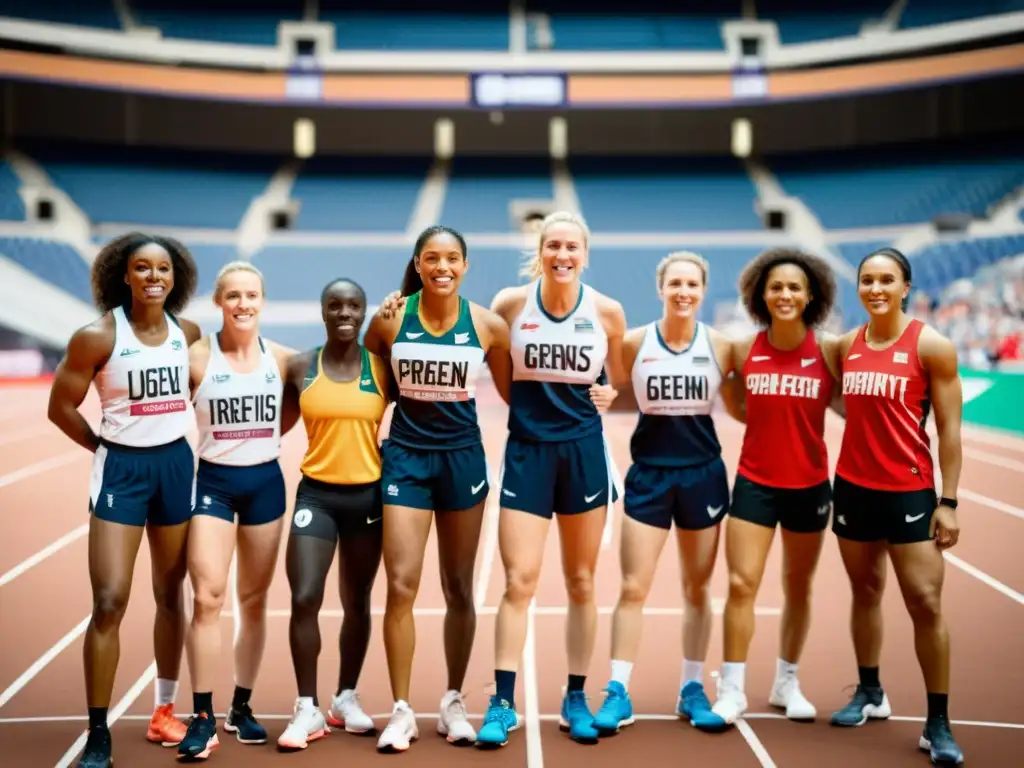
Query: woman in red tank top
x,y
782,479
895,372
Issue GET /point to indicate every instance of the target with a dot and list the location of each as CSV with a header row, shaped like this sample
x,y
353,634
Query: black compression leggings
x,y
308,559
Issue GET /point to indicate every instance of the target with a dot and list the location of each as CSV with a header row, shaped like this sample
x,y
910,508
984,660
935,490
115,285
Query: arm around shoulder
x,y
613,318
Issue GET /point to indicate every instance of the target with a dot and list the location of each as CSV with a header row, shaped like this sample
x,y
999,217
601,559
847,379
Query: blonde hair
x,y
235,266
678,257
532,267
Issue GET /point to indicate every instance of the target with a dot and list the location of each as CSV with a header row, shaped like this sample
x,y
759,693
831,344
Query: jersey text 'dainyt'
x,y
140,381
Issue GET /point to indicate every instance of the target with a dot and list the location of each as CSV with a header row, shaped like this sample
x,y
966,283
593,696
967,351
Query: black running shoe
x,y
247,729
200,738
867,702
98,749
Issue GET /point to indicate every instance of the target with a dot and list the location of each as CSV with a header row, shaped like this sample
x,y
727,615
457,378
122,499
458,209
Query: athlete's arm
x,y
613,318
198,358
391,305
191,330
829,346
508,303
87,351
498,349
939,358
289,405
295,368
625,399
734,390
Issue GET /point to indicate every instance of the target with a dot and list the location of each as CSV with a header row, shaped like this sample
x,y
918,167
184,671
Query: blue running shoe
x,y
693,704
616,711
937,739
98,752
200,738
247,729
499,720
577,719
866,703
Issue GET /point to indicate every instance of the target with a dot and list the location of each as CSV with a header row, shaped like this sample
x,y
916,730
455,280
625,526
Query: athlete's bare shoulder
x,y
935,350
633,337
191,330
845,341
741,347
509,302
281,353
95,340
297,365
828,343
491,323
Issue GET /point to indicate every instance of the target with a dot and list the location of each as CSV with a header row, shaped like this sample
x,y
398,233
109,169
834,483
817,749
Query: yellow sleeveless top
x,y
342,420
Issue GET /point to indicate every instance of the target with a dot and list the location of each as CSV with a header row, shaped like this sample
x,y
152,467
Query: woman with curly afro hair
x,y
136,353
789,377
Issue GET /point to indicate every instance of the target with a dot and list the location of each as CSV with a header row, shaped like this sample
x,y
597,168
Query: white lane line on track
x,y
534,749
759,750
43,466
41,555
39,664
489,540
984,578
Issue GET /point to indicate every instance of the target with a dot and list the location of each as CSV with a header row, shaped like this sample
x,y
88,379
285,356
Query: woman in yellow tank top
x,y
342,393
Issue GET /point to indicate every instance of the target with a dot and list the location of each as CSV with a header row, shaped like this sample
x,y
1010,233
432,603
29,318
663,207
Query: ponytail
x,y
411,281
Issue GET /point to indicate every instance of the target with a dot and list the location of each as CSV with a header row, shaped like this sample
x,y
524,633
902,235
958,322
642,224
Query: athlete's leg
x,y
640,547
359,555
862,547
697,551
309,553
920,571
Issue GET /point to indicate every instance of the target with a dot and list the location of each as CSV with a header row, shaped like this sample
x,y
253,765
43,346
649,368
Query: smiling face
x,y
881,285
441,264
241,299
786,292
343,309
682,289
563,252
150,274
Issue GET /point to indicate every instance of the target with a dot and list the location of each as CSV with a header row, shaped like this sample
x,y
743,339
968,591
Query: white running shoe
x,y
307,724
453,723
731,702
346,712
401,729
786,694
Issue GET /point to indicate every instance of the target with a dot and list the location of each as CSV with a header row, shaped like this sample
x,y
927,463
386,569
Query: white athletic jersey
x,y
239,414
144,390
669,383
568,351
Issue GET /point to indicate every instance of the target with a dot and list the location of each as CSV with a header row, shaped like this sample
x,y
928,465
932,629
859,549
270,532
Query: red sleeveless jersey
x,y
787,393
885,445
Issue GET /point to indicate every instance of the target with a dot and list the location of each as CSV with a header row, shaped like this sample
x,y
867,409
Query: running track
x,y
45,605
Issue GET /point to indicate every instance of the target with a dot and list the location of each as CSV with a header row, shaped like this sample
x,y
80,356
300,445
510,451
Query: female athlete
x,y
563,333
341,389
136,353
895,370
677,367
434,465
236,379
782,480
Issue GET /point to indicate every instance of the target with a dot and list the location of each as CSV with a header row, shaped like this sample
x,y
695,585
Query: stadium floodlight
x,y
558,138
742,137
304,137
444,138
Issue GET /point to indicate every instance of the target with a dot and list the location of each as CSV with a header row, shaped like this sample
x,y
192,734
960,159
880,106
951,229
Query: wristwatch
x,y
945,501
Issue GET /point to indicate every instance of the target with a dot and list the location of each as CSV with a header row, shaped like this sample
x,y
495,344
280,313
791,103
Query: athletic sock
x,y
693,672
621,671
241,697
97,717
308,702
784,669
576,682
202,702
938,705
165,692
734,673
869,677
505,686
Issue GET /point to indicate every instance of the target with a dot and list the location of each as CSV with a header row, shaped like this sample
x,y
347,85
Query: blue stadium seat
x,y
480,191
56,263
250,23
924,13
85,13
799,23
12,207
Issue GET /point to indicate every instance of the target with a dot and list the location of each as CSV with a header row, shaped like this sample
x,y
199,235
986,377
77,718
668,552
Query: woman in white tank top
x,y
136,355
237,379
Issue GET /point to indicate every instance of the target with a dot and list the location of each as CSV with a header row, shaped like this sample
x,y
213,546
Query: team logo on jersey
x,y
462,338
701,360
129,352
271,377
175,344
529,326
899,357
303,518
583,325
220,378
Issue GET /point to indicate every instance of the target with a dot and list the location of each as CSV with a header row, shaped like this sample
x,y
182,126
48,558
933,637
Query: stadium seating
x,y
56,263
12,207
798,23
923,13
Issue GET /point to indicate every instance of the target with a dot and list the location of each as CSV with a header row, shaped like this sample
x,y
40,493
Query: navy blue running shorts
x,y
565,477
255,493
136,486
438,480
691,497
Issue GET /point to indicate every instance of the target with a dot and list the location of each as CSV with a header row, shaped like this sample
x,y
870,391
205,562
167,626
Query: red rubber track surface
x,y
45,603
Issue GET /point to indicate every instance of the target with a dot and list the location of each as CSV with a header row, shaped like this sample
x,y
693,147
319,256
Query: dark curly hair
x,y
820,281
109,289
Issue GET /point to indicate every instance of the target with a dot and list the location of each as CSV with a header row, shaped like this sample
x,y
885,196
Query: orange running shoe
x,y
165,728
